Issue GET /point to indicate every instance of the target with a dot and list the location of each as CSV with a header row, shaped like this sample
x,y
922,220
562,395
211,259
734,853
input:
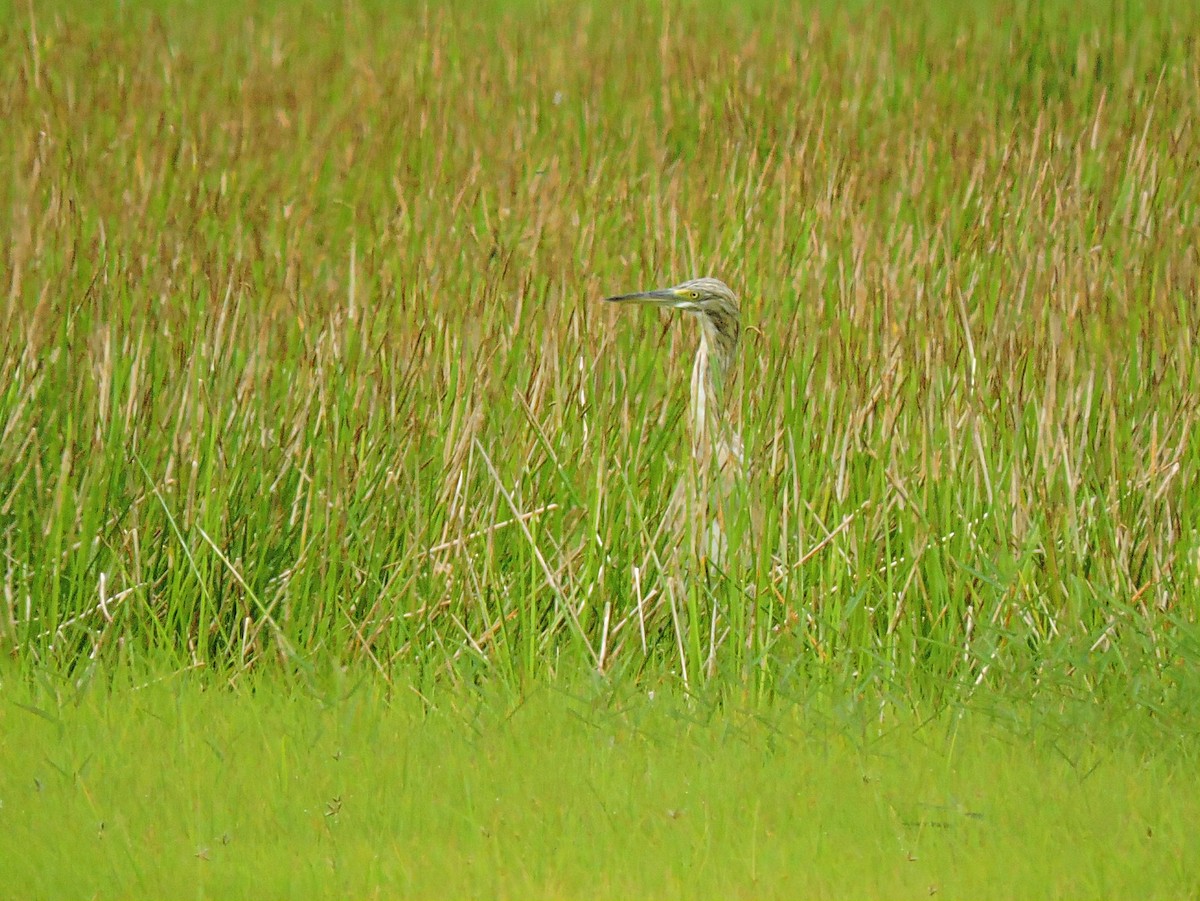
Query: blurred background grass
x,y
593,791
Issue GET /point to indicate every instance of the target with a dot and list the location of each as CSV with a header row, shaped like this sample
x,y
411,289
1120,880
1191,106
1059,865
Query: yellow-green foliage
x,y
167,790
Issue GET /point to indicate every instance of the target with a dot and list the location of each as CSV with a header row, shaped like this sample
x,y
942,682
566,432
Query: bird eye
x,y
695,294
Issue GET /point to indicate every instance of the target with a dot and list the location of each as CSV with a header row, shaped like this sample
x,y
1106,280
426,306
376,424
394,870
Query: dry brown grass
x,y
302,352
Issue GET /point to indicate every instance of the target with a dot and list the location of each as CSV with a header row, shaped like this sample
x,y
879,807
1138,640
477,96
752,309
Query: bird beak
x,y
663,297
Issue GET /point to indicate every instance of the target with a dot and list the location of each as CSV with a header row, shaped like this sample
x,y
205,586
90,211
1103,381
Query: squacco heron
x,y
716,445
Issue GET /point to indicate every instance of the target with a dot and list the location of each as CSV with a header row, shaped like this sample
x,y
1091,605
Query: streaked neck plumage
x,y
719,333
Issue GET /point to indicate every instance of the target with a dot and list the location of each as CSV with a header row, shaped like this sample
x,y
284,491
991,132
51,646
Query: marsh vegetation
x,y
304,378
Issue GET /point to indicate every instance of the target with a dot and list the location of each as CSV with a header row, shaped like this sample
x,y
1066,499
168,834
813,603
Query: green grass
x,y
586,793
303,357
303,370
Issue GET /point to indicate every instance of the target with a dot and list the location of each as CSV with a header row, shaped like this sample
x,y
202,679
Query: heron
x,y
716,444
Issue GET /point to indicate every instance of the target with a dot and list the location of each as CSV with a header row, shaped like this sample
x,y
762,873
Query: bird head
x,y
699,296
710,301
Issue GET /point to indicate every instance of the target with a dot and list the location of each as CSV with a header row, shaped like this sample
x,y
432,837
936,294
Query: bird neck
x,y
708,385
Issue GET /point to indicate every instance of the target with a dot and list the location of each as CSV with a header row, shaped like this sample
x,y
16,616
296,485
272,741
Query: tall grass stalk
x,y
301,356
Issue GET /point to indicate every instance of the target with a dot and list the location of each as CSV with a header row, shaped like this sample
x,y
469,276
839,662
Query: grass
x,y
583,793
303,371
304,358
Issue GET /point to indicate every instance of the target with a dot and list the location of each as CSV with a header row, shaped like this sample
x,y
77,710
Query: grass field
x,y
590,792
304,376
